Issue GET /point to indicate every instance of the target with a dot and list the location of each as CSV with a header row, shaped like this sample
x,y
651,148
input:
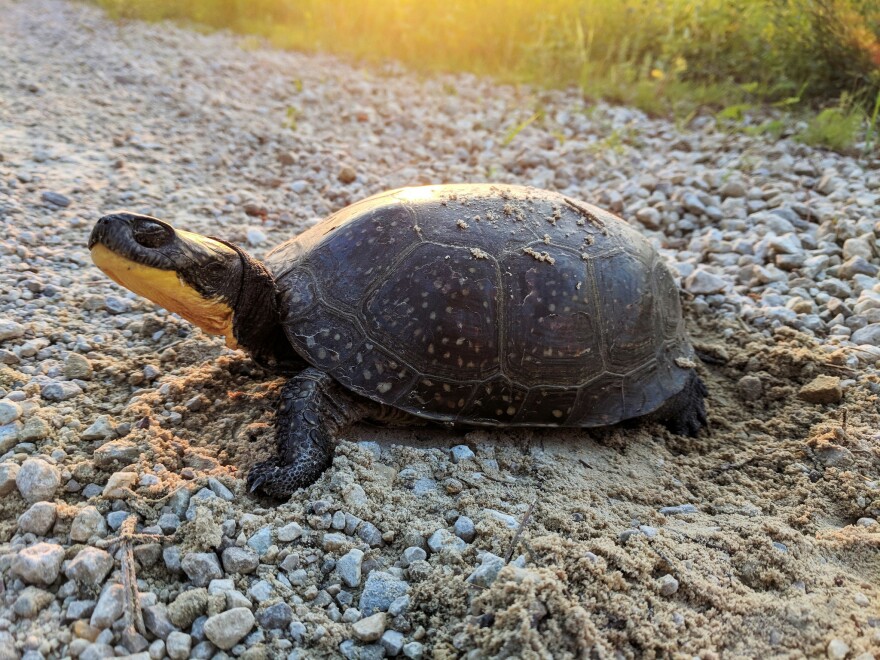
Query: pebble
x,y
702,282
38,564
486,573
108,608
201,567
837,649
412,554
8,475
119,484
38,519
60,390
54,198
255,236
276,617
77,366
226,629
443,540
9,411
10,329
261,540
88,523
822,389
178,645
37,480
510,521
223,492
381,589
414,650
30,602
104,428
370,628
290,532
464,529
679,509
369,534
870,335
667,585
89,567
461,453
348,567
392,642
239,560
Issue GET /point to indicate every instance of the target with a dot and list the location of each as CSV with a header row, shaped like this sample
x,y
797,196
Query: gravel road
x,y
125,526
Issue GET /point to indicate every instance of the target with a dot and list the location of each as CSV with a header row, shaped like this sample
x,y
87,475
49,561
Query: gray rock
x,y
486,573
8,474
77,366
261,540
89,567
30,601
10,435
55,199
675,510
702,282
870,334
464,529
335,542
103,428
414,650
9,411
370,628
88,523
38,519
261,591
411,554
240,560
423,487
80,609
201,567
510,521
733,188
109,607
667,585
39,563
157,621
370,534
116,453
178,645
290,532
399,605
461,453
10,329
171,557
222,491
380,591
226,629
856,266
348,567
37,480
60,390
443,540
276,617
168,523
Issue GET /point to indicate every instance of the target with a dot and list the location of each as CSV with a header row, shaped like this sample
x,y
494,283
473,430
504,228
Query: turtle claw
x,y
260,475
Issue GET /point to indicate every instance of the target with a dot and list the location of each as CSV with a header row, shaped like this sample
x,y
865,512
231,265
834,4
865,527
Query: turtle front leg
x,y
312,410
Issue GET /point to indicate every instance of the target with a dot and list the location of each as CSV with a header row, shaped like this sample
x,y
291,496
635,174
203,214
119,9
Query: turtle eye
x,y
150,233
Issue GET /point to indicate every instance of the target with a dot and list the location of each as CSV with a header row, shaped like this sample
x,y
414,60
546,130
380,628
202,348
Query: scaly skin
x,y
685,413
313,408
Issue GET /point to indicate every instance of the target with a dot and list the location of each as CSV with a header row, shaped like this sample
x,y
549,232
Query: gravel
x,y
39,563
226,629
89,567
37,480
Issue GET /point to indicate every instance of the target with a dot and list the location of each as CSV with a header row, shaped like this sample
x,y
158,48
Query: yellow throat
x,y
166,288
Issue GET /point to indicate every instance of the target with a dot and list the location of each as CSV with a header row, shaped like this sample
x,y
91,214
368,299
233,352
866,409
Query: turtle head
x,y
209,282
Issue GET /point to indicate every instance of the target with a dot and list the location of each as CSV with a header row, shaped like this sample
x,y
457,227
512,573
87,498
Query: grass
x,y
666,57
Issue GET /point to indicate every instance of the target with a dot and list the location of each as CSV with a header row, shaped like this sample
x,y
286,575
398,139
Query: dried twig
x,y
522,526
125,540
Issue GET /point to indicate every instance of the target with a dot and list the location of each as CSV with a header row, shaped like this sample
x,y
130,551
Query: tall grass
x,y
662,55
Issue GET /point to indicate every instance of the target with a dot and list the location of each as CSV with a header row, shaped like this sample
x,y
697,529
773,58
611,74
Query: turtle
x,y
470,305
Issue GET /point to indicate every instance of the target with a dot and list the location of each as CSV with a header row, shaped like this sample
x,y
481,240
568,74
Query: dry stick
x,y
125,539
522,526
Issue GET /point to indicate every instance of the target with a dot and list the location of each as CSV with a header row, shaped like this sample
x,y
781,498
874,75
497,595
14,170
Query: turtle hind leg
x,y
685,413
312,409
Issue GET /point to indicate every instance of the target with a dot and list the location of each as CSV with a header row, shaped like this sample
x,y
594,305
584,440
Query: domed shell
x,y
487,305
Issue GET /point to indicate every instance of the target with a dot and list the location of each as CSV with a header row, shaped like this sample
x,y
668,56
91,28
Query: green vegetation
x,y
667,57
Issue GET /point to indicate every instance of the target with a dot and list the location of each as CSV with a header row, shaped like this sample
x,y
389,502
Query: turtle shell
x,y
487,305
